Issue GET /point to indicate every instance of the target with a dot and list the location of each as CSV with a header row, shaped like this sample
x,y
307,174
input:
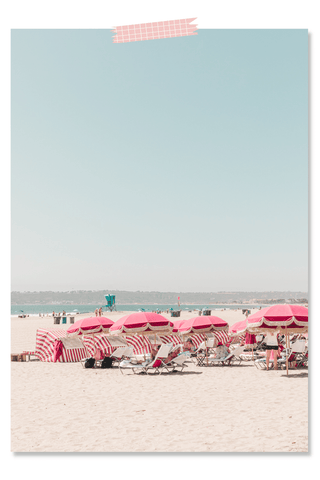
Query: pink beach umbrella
x,y
142,323
238,328
176,325
90,326
283,318
203,324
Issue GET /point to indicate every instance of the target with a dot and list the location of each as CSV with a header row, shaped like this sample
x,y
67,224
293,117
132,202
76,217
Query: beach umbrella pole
x,y
205,346
287,348
144,350
86,349
94,346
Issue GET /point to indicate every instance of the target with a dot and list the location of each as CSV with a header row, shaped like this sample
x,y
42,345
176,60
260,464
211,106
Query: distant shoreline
x,y
119,304
123,297
266,302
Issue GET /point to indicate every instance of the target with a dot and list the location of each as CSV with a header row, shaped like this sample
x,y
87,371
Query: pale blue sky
x,y
172,165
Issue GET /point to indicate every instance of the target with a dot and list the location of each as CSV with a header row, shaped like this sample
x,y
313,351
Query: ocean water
x,y
36,309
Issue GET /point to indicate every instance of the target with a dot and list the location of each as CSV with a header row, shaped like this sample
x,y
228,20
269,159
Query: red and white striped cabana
x,y
45,343
74,349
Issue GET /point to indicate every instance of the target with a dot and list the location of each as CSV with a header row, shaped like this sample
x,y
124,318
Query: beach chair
x,y
261,364
205,348
121,352
174,348
177,362
303,361
194,355
161,356
297,353
210,344
232,358
155,366
171,346
247,356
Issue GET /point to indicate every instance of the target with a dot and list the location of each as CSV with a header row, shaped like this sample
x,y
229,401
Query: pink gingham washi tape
x,y
154,30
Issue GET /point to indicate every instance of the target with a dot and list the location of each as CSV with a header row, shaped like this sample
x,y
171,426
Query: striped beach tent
x,y
140,343
97,341
239,339
222,337
73,351
175,339
197,339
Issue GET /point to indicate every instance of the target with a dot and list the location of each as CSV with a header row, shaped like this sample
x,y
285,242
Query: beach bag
x,y
106,362
89,363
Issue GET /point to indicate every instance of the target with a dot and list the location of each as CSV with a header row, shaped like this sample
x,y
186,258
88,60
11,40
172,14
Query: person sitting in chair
x,y
172,355
221,351
189,346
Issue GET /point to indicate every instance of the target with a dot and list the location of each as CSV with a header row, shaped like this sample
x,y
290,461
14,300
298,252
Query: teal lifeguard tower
x,y
111,302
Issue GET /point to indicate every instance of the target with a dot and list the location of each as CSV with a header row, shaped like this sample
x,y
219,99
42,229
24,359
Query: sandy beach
x,y
61,407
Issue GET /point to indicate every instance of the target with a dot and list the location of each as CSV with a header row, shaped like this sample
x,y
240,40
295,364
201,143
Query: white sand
x,y
65,408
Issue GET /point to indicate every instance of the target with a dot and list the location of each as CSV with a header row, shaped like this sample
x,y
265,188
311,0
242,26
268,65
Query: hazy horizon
x,y
109,291
168,165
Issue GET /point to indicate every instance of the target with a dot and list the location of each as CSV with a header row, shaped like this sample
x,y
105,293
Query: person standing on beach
x,y
271,340
53,314
100,312
96,312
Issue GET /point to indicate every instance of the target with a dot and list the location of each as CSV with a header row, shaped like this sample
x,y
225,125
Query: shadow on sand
x,y
296,375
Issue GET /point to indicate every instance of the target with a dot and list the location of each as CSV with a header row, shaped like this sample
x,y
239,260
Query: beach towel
x,y
57,349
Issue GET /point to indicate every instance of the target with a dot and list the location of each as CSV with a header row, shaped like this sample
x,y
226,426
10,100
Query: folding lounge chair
x,y
231,359
297,354
261,363
210,344
148,365
162,354
177,362
247,356
303,360
121,352
132,365
194,355
202,353
208,348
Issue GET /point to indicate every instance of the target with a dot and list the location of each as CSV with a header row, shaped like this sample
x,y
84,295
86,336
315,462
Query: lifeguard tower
x,y
111,302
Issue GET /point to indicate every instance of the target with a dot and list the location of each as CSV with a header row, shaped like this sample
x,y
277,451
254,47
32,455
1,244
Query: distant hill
x,y
87,297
